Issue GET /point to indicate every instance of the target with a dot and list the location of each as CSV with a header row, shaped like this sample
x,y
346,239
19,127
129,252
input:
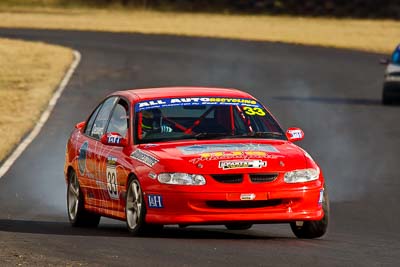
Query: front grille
x,y
228,178
220,204
263,177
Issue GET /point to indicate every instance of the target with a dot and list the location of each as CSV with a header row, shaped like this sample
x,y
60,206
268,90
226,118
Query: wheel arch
x,y
131,176
70,169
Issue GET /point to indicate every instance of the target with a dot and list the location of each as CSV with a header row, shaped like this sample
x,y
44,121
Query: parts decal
x,y
82,157
155,201
221,155
144,157
112,178
194,101
198,149
241,164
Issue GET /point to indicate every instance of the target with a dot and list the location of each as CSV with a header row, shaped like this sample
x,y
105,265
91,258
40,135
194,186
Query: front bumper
x,y
302,203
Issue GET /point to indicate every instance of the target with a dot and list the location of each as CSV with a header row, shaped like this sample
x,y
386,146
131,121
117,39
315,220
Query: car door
x,y
94,130
113,159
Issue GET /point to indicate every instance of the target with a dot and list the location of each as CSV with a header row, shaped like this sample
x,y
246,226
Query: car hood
x,y
238,155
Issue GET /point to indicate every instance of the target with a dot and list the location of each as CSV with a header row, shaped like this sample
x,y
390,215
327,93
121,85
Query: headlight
x,y
181,179
301,176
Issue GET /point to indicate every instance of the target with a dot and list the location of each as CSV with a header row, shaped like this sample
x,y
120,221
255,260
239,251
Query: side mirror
x,y
294,134
384,61
114,139
80,125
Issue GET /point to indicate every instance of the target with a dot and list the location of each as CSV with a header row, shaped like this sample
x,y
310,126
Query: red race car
x,y
190,156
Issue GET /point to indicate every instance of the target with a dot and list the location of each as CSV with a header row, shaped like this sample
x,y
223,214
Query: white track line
x,y
43,118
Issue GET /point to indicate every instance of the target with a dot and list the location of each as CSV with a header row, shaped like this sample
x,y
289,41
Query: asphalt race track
x,y
333,95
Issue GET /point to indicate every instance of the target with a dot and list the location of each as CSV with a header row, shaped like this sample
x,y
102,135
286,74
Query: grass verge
x,y
29,73
367,35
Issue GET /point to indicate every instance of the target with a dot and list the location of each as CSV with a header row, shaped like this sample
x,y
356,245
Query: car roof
x,y
135,95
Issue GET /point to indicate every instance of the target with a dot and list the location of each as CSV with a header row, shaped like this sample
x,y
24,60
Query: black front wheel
x,y
313,229
135,210
387,94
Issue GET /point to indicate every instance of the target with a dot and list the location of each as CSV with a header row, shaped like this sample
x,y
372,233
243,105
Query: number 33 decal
x,y
254,111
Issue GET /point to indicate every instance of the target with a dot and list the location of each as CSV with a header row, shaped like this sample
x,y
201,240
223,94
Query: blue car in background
x,y
391,85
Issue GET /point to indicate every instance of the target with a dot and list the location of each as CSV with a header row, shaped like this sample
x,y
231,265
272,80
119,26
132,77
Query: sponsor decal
x,y
155,201
114,139
321,197
193,101
296,133
241,164
82,157
221,155
251,196
112,178
97,130
199,149
111,160
144,157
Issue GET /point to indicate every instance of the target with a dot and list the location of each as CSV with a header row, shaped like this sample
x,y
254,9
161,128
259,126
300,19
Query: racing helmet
x,y
151,119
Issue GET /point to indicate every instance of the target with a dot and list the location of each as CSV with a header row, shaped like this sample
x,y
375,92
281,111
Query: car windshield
x,y
396,55
203,118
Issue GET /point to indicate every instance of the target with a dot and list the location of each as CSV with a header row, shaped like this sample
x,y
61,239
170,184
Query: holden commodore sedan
x,y
191,156
391,85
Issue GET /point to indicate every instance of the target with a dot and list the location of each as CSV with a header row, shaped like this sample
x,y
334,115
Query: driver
x,y
152,122
396,55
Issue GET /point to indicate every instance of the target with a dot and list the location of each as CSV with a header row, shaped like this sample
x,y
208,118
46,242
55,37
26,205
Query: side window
x,y
101,120
90,122
119,119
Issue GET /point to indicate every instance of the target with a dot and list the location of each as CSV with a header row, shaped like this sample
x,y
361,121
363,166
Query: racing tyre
x,y
135,210
387,88
78,216
386,100
313,229
238,226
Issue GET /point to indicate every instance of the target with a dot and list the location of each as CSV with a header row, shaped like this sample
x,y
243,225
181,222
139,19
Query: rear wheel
x,y
313,229
77,214
238,226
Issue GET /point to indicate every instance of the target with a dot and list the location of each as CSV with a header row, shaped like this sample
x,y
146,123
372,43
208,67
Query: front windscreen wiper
x,y
205,135
260,134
